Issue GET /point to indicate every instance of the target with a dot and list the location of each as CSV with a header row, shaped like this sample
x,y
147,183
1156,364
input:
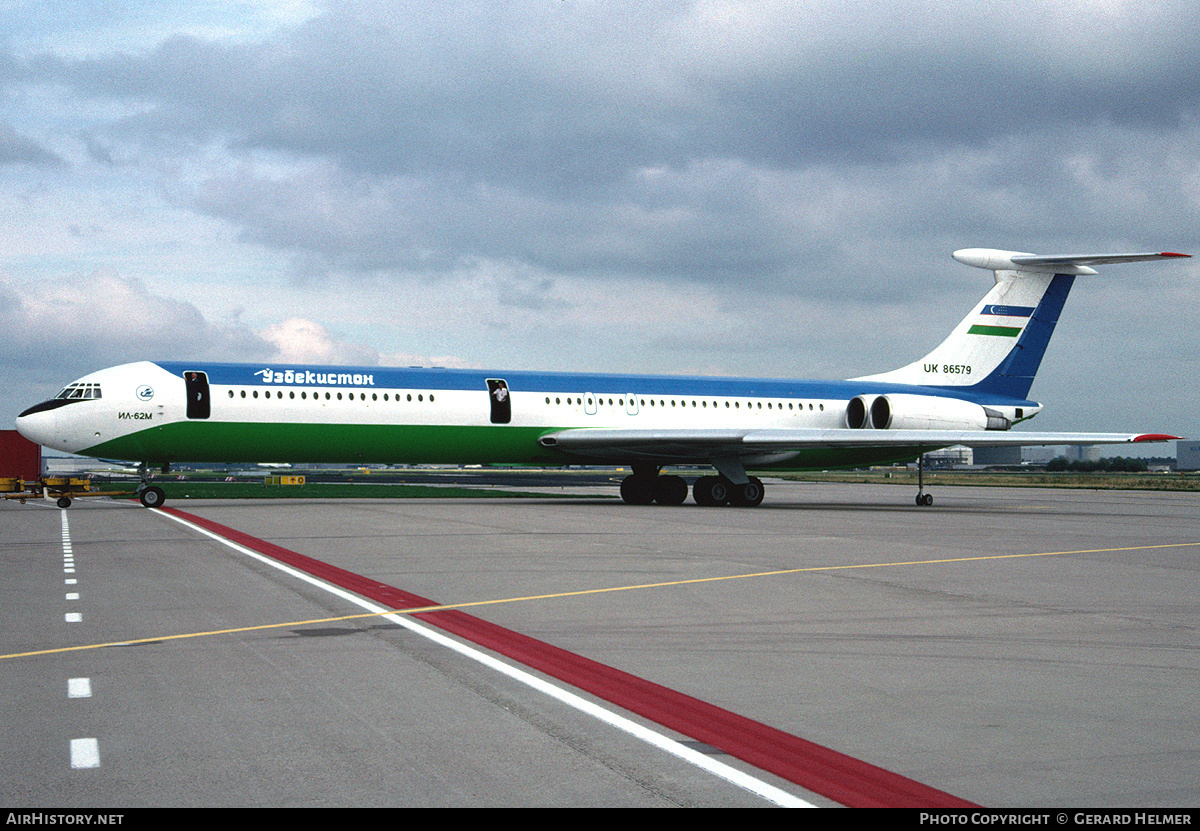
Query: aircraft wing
x,y
683,446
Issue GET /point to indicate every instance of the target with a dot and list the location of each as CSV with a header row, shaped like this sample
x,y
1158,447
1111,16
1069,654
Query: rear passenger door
x,y
501,399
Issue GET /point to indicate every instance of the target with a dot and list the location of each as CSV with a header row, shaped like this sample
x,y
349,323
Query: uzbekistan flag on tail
x,y
1001,311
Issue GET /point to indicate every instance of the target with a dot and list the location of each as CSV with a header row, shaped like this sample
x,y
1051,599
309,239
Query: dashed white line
x,y
85,753
68,553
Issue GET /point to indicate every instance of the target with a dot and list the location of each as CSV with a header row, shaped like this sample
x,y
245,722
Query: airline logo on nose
x,y
145,392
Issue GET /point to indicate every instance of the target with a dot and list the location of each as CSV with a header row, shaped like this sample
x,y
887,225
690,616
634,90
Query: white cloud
x,y
297,340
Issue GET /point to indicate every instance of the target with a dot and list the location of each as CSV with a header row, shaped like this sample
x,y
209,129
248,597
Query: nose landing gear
x,y
151,496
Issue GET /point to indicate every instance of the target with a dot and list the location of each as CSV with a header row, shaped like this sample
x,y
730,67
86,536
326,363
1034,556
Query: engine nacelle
x,y
858,412
920,412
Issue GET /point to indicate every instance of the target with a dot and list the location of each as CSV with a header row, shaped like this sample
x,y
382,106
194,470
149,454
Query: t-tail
x,y
998,347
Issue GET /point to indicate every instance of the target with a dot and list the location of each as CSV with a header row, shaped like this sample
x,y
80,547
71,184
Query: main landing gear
x,y
646,486
711,491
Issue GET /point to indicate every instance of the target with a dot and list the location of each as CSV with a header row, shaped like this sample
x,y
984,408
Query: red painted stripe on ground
x,y
835,775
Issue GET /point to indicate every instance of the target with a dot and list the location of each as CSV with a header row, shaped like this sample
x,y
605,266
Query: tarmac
x,y
1017,648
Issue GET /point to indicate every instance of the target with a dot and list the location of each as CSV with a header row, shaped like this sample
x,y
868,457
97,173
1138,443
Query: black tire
x,y
670,490
711,491
638,490
749,495
152,497
63,502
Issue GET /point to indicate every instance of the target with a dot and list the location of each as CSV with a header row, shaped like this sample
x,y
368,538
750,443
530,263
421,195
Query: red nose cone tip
x,y
1156,437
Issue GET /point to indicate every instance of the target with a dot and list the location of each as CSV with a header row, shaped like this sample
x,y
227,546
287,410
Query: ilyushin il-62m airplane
x,y
968,391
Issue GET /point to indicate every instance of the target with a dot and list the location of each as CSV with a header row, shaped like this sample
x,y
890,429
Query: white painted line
x,y
79,688
653,737
72,617
72,596
70,581
68,571
85,753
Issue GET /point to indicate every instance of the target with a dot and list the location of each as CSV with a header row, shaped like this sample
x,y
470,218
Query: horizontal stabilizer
x,y
1095,259
998,260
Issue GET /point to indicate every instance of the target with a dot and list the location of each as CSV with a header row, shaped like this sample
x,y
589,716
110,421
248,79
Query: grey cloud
x,y
16,149
551,105
823,152
566,102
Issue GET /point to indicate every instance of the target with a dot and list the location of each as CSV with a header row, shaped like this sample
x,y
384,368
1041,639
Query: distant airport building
x,y
1038,455
1090,452
997,456
950,457
1187,455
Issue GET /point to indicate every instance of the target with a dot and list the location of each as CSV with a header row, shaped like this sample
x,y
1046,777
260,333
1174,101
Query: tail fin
x,y
998,347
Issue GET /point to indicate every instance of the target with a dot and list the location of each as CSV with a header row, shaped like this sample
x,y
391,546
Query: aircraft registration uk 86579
x,y
970,390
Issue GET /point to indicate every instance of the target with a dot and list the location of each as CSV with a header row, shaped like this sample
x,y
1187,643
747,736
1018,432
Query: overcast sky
x,y
735,188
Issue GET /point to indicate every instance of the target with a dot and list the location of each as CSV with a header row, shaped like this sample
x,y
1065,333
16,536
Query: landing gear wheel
x,y
152,497
924,500
638,490
711,491
749,495
670,490
63,501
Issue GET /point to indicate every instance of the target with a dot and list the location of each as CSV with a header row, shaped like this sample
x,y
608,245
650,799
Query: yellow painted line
x,y
582,592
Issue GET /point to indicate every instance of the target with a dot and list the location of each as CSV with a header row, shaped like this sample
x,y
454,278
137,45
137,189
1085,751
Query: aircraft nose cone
x,y
38,427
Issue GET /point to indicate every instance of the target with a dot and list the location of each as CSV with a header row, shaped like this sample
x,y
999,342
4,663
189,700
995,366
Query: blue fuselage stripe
x,y
378,377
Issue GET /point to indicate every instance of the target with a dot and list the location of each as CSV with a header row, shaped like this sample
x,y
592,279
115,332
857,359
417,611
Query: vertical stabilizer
x,y
998,347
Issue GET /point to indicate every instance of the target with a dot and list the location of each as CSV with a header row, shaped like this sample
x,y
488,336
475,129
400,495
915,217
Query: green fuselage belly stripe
x,y
999,331
215,441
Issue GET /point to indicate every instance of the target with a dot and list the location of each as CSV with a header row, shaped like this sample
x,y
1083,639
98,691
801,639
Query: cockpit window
x,y
76,392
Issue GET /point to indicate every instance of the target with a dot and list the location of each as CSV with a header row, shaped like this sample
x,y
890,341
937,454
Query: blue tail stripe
x,y
1014,376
